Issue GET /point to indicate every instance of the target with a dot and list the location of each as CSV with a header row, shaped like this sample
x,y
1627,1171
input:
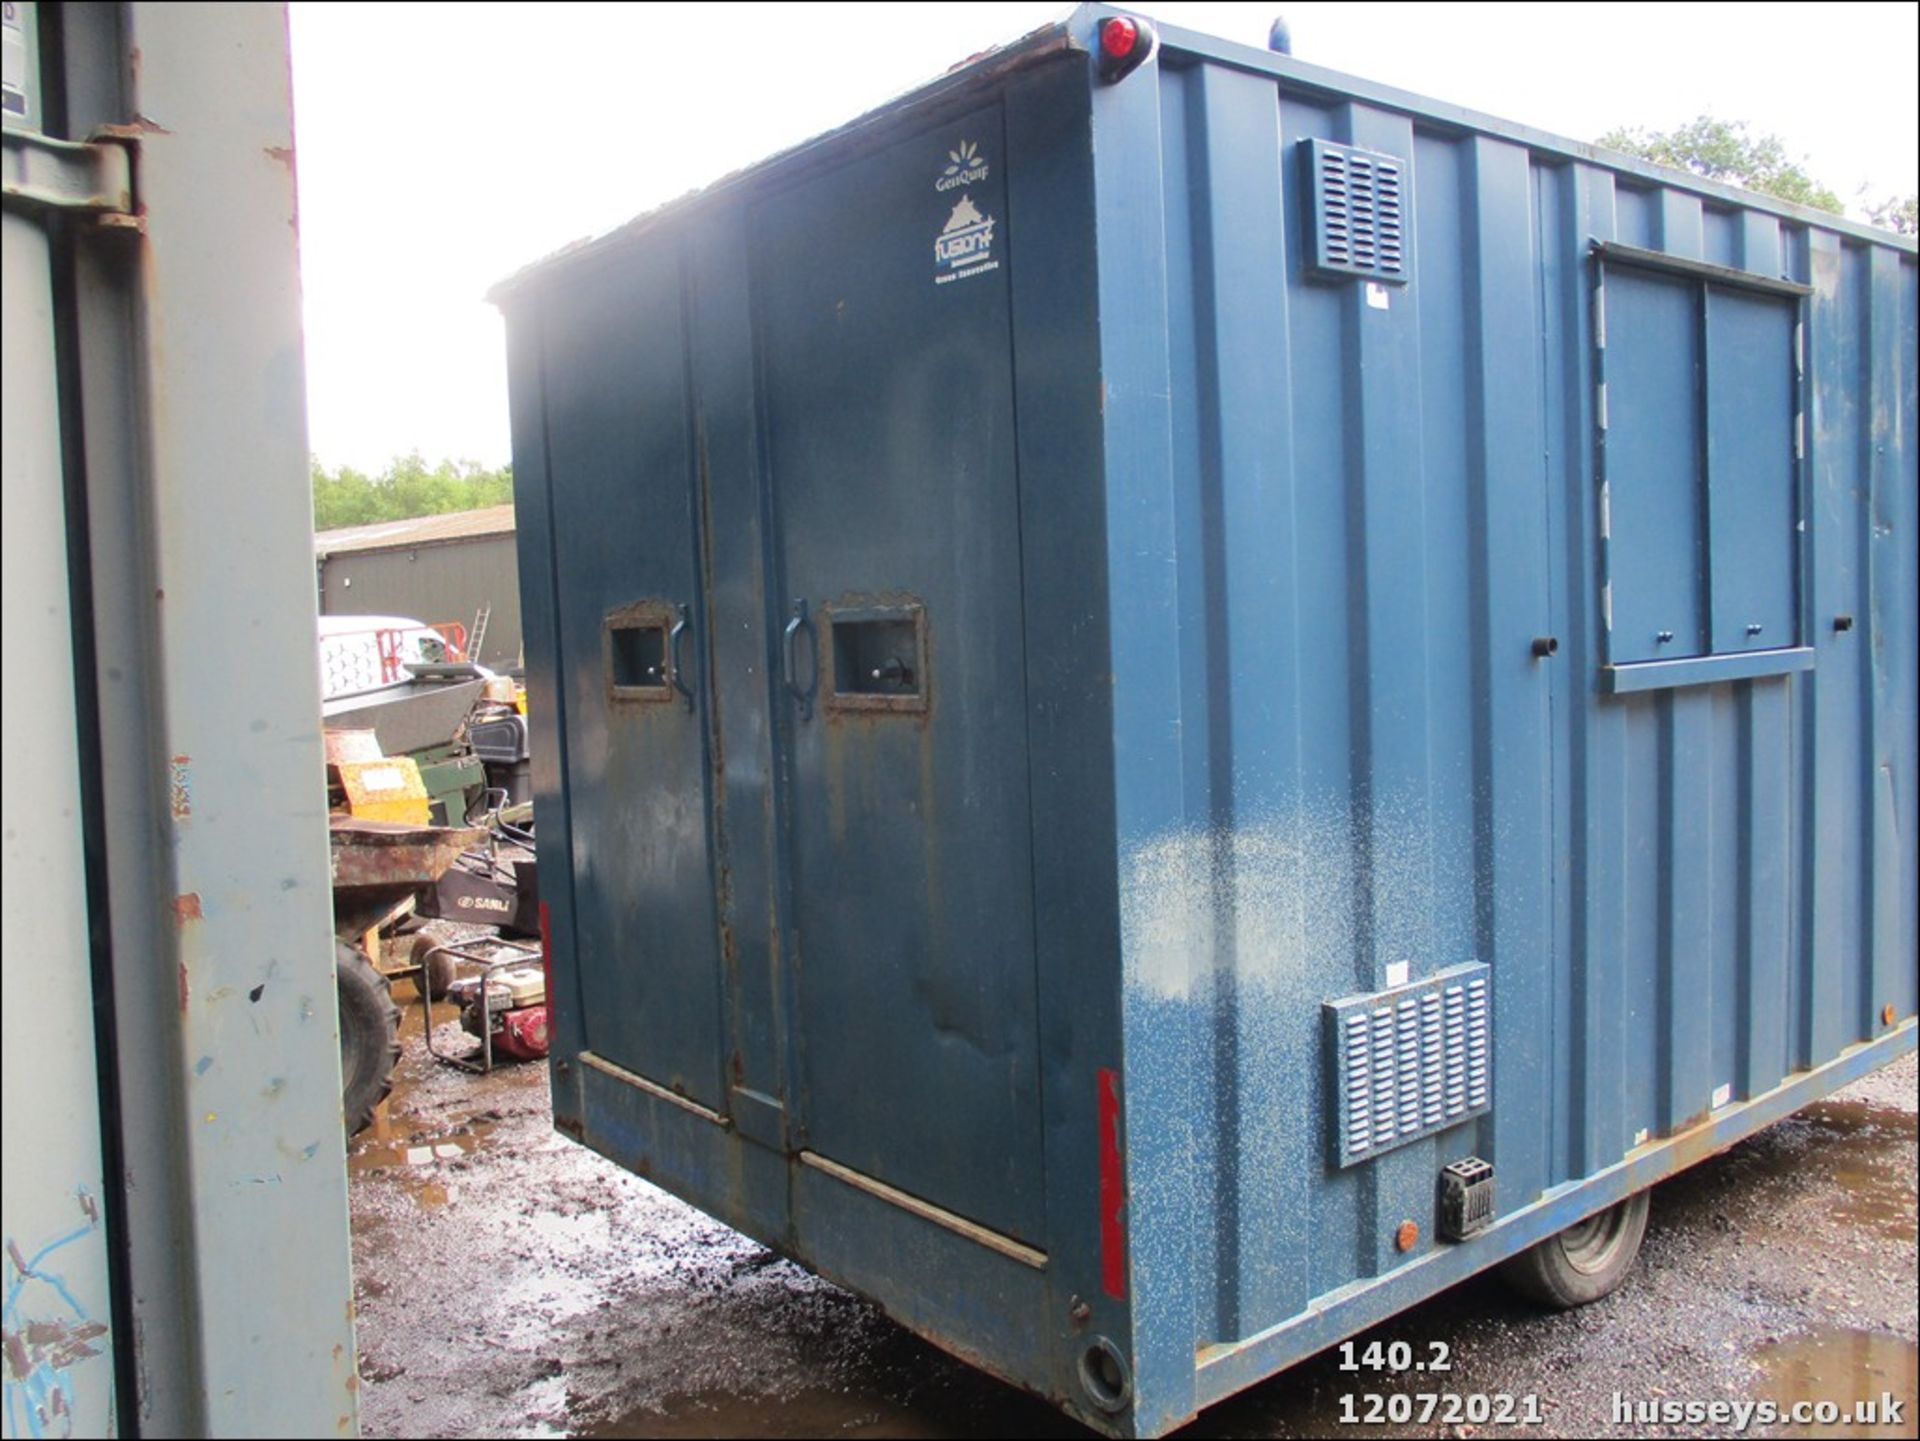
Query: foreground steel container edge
x,y
175,1197
1124,669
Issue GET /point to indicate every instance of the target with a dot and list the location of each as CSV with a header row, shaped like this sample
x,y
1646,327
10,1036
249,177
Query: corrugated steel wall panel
x,y
1685,894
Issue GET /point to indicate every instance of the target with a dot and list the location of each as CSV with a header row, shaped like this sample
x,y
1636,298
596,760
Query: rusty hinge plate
x,y
93,177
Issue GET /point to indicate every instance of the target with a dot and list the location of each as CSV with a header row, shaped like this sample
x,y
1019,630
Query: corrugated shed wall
x,y
448,581
1377,511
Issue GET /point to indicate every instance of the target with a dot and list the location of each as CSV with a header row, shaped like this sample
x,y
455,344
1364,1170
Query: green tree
x,y
1727,151
1896,213
408,487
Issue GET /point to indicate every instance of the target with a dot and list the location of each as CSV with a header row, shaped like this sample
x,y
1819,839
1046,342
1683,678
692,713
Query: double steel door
x,y
888,611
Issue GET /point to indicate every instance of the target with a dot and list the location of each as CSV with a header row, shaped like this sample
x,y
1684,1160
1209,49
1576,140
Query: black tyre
x,y
437,967
1583,1262
369,1035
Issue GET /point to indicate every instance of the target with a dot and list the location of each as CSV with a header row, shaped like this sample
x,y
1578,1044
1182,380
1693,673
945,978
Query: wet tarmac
x,y
511,1283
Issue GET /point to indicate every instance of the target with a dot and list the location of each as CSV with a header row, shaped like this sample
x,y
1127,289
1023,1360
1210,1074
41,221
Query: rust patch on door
x,y
180,787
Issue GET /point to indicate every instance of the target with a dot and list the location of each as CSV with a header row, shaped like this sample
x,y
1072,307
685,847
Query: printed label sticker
x,y
964,246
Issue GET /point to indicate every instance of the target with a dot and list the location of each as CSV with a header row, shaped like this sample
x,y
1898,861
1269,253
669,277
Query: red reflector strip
x,y
1113,1190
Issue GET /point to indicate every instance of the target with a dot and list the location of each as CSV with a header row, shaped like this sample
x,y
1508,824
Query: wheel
x,y
369,1035
439,969
1583,1262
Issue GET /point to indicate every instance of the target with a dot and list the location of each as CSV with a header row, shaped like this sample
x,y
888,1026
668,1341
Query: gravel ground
x,y
511,1283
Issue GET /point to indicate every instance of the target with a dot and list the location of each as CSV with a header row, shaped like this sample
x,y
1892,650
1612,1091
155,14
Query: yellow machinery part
x,y
385,790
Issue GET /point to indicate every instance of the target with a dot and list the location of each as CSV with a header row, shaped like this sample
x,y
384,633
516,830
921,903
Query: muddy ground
x,y
511,1283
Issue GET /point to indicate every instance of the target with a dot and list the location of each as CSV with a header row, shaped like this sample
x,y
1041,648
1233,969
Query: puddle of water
x,y
1874,1199
1843,1367
808,1414
1856,1118
374,1152
1874,1182
859,1377
828,1412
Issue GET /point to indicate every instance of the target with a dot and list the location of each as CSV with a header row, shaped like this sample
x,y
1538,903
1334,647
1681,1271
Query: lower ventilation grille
x,y
1409,1061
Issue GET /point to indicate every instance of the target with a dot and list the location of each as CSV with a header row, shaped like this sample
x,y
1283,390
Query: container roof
x,y
1073,33
420,530
973,73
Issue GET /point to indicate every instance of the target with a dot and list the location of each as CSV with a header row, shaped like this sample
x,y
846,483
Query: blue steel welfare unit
x,y
1126,668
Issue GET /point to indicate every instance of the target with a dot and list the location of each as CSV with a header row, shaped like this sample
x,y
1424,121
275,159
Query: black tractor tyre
x,y
1583,1262
369,1035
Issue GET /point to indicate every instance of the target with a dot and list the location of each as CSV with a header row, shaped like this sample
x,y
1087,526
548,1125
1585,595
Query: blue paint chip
x,y
203,1065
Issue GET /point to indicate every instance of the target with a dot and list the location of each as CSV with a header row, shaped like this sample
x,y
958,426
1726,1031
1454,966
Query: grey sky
x,y
443,146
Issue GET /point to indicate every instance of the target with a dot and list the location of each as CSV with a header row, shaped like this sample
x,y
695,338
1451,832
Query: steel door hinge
x,y
92,177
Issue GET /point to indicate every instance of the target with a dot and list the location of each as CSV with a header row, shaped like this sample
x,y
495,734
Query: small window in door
x,y
877,657
638,653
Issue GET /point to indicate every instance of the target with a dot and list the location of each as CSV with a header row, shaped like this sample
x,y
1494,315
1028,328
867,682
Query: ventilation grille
x,y
1409,1062
1358,208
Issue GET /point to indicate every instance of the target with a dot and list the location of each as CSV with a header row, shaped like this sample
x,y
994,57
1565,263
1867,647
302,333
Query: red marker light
x,y
1118,36
1125,45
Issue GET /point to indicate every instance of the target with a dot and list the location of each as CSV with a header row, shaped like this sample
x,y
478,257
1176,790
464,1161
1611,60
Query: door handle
x,y
790,646
673,653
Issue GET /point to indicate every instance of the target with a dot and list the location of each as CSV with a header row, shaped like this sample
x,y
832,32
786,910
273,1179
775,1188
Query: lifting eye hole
x,y
1105,1376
